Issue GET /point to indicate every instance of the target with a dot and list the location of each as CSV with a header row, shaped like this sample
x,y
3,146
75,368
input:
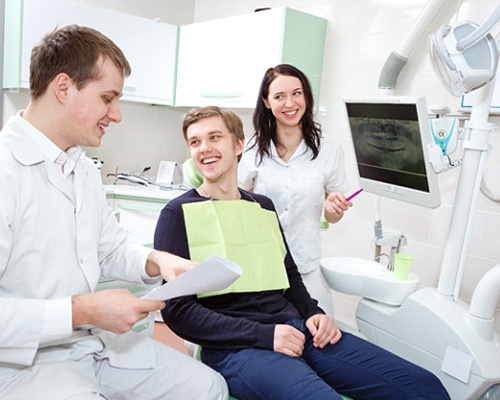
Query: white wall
x,y
360,35
170,11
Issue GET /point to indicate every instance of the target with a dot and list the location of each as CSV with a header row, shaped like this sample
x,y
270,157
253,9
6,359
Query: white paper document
x,y
214,273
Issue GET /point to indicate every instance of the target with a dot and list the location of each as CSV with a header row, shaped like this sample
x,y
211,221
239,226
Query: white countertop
x,y
142,192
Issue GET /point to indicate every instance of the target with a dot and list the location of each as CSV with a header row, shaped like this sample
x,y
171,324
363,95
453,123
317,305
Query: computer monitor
x,y
390,136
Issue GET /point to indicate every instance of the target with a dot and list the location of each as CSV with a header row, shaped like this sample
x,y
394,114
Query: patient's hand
x,y
323,329
288,340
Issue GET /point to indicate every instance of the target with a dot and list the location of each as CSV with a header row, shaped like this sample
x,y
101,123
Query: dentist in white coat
x,y
60,339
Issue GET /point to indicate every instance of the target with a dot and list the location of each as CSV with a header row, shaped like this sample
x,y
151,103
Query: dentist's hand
x,y
323,330
288,340
168,265
114,310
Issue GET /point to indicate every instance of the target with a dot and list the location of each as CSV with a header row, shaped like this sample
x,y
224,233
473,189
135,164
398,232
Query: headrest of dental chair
x,y
191,175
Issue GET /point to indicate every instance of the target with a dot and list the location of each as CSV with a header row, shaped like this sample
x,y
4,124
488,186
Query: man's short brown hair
x,y
74,50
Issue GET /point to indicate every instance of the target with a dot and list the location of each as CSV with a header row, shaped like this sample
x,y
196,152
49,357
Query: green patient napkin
x,y
243,232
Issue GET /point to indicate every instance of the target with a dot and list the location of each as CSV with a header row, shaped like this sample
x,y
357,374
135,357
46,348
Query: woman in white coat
x,y
289,160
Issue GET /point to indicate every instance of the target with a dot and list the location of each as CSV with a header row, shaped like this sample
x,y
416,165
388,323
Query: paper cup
x,y
402,266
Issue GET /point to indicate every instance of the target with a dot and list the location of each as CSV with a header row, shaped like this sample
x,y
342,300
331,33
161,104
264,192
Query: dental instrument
x,y
141,180
144,181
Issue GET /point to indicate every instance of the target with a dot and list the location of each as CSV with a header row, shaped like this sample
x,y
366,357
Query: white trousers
x,y
177,376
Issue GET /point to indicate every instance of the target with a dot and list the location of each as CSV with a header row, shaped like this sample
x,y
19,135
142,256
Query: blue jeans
x,y
353,367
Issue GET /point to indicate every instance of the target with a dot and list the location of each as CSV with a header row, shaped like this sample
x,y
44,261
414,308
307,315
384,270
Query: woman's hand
x,y
335,205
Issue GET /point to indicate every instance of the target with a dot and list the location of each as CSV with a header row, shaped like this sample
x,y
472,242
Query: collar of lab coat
x,y
22,146
25,150
44,149
300,151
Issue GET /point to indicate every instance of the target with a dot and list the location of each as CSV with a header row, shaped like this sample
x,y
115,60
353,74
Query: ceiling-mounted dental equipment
x,y
464,55
433,327
398,58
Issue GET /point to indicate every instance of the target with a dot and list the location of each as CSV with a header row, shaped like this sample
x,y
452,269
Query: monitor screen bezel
x,y
430,198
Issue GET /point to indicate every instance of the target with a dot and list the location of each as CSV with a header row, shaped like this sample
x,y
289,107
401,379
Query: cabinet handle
x,y
139,208
227,95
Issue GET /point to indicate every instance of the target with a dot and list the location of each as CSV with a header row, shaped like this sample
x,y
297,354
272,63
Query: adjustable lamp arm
x,y
480,32
397,59
465,55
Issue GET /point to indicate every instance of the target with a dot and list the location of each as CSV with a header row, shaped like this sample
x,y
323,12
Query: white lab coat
x,y
297,188
55,244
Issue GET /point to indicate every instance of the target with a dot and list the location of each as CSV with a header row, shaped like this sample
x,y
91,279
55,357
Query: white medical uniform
x,y
57,238
298,188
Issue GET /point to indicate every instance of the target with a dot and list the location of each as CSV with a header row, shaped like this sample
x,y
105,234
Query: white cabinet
x,y
149,46
139,218
137,208
222,62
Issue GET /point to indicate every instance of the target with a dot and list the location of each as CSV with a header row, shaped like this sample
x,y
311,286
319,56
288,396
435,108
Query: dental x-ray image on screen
x,y
390,148
389,136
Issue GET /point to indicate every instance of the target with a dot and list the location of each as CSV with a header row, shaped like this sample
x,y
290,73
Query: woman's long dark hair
x,y
264,121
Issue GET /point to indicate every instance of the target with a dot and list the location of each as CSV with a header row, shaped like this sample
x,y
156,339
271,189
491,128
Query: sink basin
x,y
368,279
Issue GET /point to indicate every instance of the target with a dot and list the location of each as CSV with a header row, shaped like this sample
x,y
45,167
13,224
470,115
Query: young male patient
x,y
264,334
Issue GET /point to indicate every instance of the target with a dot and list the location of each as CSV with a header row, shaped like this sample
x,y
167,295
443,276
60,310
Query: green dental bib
x,y
243,232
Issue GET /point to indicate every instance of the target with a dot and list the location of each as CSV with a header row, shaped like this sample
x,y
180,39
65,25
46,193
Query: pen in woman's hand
x,y
352,196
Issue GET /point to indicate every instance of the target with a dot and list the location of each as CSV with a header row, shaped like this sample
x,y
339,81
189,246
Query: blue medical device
x,y
444,132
